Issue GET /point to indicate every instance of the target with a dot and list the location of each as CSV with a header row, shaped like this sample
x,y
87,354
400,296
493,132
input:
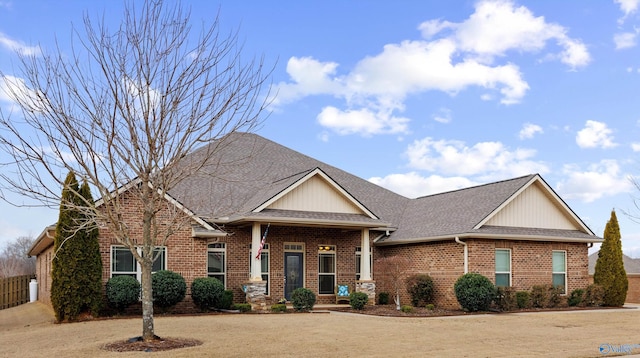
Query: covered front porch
x,y
284,258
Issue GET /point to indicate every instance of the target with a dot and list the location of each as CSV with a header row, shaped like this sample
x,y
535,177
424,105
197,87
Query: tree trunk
x,y
147,301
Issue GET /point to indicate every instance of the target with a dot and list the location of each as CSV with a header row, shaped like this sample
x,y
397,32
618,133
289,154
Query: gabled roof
x,y
464,213
631,265
248,174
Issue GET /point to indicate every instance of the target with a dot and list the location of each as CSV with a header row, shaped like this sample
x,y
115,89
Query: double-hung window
x,y
559,275
503,267
326,269
124,264
264,265
216,261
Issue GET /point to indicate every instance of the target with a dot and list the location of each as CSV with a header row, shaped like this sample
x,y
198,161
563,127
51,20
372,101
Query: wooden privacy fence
x,y
14,291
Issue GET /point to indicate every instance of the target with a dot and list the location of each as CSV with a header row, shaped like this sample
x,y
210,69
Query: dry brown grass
x,y
573,334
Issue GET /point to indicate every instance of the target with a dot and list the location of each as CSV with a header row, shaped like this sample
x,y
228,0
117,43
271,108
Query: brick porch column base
x,y
368,287
255,295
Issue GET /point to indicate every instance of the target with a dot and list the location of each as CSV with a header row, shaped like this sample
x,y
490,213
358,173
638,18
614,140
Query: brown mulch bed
x,y
155,345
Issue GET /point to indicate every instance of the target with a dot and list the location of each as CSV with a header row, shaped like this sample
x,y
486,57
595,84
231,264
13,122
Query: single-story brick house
x,y
328,227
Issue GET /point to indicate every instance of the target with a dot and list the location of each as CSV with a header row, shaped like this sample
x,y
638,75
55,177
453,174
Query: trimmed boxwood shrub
x,y
575,299
406,308
358,300
383,298
303,299
474,292
420,287
207,292
242,307
227,300
594,295
168,288
523,298
279,307
122,291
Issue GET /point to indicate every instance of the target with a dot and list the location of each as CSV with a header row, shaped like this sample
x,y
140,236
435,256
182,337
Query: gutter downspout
x,y
466,254
590,245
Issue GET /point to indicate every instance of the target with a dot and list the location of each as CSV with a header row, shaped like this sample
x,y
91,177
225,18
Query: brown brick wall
x,y
43,275
530,264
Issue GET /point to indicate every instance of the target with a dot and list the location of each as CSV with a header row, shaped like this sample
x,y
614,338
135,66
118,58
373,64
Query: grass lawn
x,y
27,331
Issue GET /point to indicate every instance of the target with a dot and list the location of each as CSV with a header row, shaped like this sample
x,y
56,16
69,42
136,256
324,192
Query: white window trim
x,y
560,272
510,266
138,271
331,251
226,259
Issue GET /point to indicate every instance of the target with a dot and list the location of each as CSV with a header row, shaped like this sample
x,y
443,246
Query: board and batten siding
x,y
533,208
315,194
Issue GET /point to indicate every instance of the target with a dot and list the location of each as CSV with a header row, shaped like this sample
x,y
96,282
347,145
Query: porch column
x,y
365,260
256,268
366,284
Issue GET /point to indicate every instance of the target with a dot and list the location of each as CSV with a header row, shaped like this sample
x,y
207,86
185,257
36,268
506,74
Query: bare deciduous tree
x,y
14,259
395,269
121,110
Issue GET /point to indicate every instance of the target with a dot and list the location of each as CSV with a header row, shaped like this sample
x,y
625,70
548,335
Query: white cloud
x,y
413,185
599,180
628,7
635,147
17,46
529,130
443,115
450,58
363,121
486,160
625,40
595,134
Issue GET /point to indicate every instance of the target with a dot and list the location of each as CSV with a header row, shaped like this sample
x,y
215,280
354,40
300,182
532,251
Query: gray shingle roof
x,y
631,265
247,170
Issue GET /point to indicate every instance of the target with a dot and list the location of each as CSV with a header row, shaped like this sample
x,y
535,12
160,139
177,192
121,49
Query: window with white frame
x,y
124,264
503,267
264,265
326,269
359,261
559,275
217,261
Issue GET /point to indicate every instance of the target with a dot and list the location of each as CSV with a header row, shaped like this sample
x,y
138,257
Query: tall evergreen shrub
x,y
76,275
610,272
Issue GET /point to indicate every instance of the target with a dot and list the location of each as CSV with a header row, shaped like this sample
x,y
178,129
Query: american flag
x,y
264,239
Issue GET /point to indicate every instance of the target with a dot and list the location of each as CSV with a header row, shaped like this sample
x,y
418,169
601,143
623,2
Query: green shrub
x,y
168,288
523,299
575,299
279,307
227,300
430,307
609,270
506,299
207,292
540,296
242,307
406,308
420,287
358,300
303,299
474,292
594,295
122,291
383,298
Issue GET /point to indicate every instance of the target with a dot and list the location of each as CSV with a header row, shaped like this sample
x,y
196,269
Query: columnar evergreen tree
x,y
76,284
609,272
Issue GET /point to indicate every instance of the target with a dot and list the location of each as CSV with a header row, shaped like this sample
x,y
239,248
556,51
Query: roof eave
x,y
304,222
545,238
43,241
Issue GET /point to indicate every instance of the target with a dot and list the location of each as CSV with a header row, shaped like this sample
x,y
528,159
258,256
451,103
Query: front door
x,y
293,271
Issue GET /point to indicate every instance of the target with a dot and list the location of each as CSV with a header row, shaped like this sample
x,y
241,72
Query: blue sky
x,y
423,96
